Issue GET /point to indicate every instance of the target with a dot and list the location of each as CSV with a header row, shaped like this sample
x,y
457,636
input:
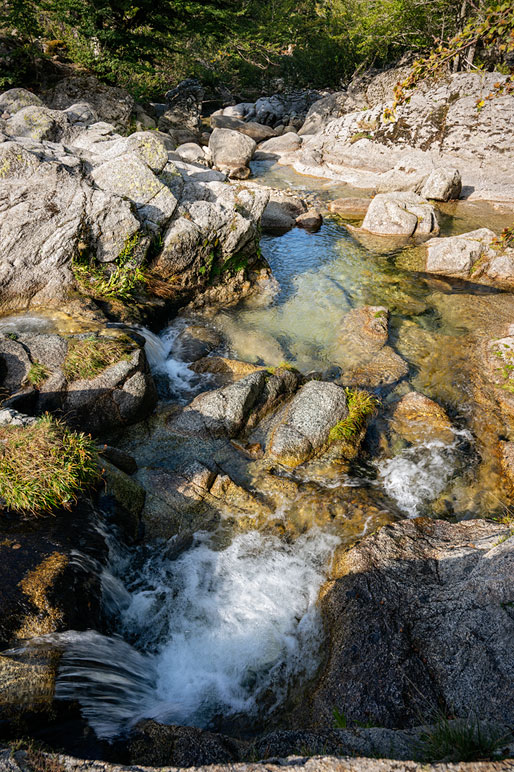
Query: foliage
x,y
462,740
361,406
283,366
45,466
88,357
122,283
37,374
492,26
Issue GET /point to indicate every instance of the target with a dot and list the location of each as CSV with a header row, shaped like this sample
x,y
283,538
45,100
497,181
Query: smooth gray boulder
x,y
306,423
231,152
286,143
256,131
192,152
401,214
281,211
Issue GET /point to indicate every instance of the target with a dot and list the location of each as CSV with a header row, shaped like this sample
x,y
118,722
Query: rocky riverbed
x,y
300,392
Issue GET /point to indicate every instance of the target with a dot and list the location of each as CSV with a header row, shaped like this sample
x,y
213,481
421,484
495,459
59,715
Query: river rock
x,y
350,208
419,419
14,365
193,153
305,423
475,254
286,143
223,412
310,220
418,617
231,152
401,213
223,369
362,351
442,185
282,211
195,342
256,131
155,744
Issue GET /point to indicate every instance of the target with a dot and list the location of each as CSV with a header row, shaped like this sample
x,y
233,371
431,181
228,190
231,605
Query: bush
x,y
45,466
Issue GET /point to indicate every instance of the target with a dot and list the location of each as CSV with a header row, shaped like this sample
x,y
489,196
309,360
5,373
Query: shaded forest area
x,y
248,46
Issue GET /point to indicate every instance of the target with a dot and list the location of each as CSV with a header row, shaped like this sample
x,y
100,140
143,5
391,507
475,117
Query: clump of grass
x,y
361,406
122,283
37,374
43,467
88,357
282,366
462,740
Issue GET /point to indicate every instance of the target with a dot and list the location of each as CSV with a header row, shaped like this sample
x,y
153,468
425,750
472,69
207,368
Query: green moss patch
x,y
45,466
88,357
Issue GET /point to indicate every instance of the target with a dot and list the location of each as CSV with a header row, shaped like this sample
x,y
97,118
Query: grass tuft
x,y
122,283
462,740
45,466
361,406
37,374
282,366
88,357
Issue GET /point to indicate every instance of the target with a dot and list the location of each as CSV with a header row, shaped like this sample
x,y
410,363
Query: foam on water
x,y
219,632
419,474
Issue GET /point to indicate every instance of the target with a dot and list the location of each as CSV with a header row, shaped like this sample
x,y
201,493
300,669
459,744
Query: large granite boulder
x,y
256,131
304,426
362,349
478,255
419,616
231,152
16,99
100,382
401,214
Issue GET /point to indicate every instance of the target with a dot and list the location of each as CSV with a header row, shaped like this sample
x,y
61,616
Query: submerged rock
x,y
417,419
362,350
417,618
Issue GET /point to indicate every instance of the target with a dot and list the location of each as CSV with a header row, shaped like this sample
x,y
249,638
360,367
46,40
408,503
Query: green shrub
x,y
45,466
88,357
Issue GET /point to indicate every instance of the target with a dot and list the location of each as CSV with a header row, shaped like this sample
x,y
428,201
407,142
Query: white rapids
x,y
218,631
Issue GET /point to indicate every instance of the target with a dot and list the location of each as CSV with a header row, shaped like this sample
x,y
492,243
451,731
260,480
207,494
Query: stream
x,y
224,633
